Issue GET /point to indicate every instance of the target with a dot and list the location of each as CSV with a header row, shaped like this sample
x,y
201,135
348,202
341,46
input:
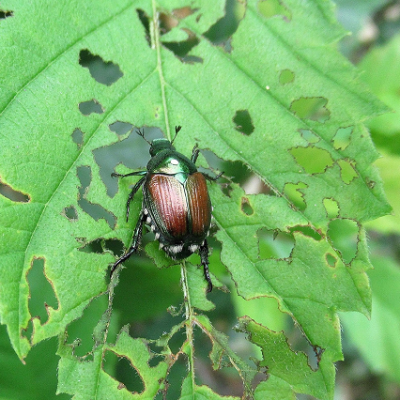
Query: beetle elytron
x,y
176,204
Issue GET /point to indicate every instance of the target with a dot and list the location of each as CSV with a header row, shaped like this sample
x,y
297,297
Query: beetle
x,y
176,204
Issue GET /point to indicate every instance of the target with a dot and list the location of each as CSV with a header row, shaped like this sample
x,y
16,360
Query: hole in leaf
x,y
310,136
170,21
286,76
120,128
101,246
28,331
125,372
96,211
5,14
167,22
246,206
331,207
80,331
270,8
71,213
330,260
255,185
104,72
12,194
184,12
293,192
221,32
145,20
236,171
306,230
313,108
133,152
347,171
91,106
42,294
243,122
342,138
274,244
77,137
343,234
299,343
182,48
313,159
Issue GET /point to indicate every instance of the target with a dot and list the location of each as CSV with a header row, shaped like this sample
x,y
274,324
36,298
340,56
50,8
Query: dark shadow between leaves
x,y
96,211
145,20
125,372
221,32
101,246
41,291
80,331
132,152
181,49
299,343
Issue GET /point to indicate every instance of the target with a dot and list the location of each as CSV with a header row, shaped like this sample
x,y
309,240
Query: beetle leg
x,y
195,153
134,190
137,237
203,251
212,178
130,174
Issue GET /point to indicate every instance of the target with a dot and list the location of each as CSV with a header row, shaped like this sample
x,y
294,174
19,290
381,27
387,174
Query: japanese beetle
x,y
176,205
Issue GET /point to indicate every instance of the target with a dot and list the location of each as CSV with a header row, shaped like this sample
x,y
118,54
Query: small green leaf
x,y
87,379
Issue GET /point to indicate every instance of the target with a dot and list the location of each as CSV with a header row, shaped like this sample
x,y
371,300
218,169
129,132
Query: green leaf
x,y
193,392
289,366
87,379
384,61
272,97
377,338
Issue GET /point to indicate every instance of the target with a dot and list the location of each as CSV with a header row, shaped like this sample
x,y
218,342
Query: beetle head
x,y
158,145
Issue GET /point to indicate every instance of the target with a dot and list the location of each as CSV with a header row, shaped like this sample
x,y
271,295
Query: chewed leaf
x,y
135,351
286,364
266,95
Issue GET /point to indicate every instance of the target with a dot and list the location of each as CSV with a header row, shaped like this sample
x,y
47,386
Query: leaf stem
x,y
189,315
155,40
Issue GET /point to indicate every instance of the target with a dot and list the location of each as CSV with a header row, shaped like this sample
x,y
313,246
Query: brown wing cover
x,y
169,202
199,203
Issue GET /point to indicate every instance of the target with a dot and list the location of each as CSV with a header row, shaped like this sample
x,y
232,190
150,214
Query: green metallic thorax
x,y
166,160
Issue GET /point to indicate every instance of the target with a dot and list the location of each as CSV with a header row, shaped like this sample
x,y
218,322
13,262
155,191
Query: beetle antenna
x,y
177,129
141,133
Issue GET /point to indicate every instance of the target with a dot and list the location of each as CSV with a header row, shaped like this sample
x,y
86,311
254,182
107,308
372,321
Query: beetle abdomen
x,y
168,205
179,211
199,204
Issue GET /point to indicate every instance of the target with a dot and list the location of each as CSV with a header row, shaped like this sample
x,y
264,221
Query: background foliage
x,y
287,115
